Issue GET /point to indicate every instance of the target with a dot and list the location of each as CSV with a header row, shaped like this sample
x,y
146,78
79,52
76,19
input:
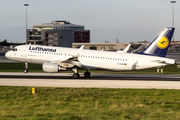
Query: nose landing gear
x,y
26,67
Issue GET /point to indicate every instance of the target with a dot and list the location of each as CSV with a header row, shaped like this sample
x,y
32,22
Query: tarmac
x,y
130,81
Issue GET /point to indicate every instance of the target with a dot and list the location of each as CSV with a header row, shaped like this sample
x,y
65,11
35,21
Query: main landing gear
x,y
76,74
26,67
87,74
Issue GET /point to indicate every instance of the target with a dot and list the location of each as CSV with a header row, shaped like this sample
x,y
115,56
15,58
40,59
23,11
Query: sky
x,y
107,20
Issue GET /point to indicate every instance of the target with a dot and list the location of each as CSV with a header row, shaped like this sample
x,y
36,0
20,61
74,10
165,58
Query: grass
x,y
88,104
19,67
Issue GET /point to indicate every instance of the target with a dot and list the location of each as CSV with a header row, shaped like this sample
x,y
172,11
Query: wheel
x,y
25,71
87,74
76,75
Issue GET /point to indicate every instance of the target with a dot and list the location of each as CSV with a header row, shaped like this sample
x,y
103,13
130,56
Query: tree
x,y
5,43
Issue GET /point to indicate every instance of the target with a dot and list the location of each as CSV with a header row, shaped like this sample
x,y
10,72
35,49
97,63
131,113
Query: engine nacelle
x,y
51,67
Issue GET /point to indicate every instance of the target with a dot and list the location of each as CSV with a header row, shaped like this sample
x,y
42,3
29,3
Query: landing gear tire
x,y
87,74
25,71
76,75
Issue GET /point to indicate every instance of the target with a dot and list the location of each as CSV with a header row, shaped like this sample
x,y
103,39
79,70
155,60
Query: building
x,y
112,46
135,46
58,33
101,46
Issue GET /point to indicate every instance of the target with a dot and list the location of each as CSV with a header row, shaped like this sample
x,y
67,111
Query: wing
x,y
73,61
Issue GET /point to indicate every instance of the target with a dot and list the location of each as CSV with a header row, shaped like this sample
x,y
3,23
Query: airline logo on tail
x,y
160,44
163,42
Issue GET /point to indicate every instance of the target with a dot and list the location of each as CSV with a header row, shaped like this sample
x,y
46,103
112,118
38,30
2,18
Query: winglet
x,y
127,48
79,51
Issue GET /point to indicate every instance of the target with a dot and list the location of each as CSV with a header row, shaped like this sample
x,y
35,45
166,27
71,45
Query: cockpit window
x,y
14,49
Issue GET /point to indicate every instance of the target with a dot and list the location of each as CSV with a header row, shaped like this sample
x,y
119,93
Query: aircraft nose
x,y
7,54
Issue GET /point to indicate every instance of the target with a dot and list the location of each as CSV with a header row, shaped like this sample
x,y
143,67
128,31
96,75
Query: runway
x,y
135,81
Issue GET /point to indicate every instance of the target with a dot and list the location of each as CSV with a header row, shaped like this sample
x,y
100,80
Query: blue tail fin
x,y
159,46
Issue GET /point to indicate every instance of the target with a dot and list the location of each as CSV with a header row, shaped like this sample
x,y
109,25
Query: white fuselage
x,y
91,59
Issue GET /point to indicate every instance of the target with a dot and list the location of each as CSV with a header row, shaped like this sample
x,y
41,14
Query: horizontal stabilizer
x,y
159,61
169,61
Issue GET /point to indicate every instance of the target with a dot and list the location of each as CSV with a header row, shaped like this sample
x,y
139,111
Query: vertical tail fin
x,y
159,46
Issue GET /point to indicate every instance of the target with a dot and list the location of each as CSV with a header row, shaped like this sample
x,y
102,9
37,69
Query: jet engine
x,y
51,67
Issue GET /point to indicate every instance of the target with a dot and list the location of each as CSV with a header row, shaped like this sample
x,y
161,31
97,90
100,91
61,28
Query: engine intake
x,y
51,67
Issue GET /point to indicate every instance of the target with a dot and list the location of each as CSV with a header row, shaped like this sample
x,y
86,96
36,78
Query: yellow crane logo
x,y
163,42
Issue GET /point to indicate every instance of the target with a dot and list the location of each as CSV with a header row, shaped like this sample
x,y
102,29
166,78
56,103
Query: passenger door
x,y
23,53
135,63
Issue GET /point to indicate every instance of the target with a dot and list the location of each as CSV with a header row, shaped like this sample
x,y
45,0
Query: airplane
x,y
55,59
